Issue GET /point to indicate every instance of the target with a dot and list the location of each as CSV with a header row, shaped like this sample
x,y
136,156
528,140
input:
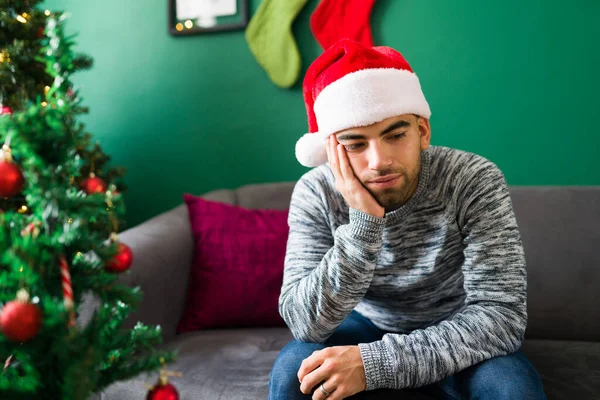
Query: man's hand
x,y
340,369
347,183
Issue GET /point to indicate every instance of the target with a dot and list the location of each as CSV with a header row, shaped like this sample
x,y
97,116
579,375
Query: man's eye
x,y
398,136
352,147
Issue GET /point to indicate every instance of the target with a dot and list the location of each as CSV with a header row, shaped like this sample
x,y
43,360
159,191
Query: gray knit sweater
x,y
444,274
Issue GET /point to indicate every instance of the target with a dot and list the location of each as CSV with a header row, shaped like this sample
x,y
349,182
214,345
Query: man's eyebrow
x,y
394,126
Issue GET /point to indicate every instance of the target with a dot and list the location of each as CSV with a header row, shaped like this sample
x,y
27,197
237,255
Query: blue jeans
x,y
507,377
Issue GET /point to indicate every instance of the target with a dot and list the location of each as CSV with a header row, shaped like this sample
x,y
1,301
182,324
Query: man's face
x,y
388,149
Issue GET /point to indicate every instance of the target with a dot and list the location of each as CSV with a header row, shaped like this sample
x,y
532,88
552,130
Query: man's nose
x,y
378,157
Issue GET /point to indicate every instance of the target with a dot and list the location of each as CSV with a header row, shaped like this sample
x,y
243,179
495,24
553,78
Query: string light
x,y
189,24
44,103
179,27
47,12
111,217
4,56
21,19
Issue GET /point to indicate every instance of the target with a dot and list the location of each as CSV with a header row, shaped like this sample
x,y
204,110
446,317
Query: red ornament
x,y
122,260
163,392
20,320
5,110
40,32
93,184
11,179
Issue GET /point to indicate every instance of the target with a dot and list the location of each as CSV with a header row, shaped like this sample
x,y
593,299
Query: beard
x,y
395,197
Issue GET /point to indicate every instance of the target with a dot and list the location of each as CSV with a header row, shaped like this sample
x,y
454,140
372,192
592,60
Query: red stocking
x,y
337,19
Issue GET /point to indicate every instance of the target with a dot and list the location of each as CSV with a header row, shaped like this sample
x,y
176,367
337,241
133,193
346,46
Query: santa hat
x,y
351,85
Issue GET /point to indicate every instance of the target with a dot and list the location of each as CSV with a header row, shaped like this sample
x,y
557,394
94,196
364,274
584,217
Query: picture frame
x,y
194,17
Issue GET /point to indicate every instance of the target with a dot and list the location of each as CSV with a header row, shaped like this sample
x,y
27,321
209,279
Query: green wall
x,y
514,81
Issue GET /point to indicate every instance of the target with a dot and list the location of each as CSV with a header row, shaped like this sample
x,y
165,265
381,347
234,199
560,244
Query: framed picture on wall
x,y
193,17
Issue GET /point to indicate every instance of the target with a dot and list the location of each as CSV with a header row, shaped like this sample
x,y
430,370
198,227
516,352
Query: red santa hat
x,y
351,85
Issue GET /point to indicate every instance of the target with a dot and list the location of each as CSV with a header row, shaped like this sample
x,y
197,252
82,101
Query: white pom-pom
x,y
310,150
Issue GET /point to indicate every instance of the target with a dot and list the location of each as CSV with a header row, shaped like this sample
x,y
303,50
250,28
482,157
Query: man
x,y
404,264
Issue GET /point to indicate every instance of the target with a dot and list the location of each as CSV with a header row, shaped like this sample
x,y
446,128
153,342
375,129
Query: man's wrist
x,y
378,363
366,227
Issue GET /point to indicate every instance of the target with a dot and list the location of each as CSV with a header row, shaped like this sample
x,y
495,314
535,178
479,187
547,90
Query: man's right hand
x,y
347,183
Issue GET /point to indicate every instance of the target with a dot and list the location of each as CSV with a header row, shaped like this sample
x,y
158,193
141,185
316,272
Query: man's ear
x,y
424,132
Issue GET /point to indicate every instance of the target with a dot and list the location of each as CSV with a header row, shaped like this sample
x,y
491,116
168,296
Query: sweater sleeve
x,y
493,320
325,275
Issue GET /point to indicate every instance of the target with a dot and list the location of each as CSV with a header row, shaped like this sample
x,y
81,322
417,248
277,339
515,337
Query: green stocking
x,y
270,39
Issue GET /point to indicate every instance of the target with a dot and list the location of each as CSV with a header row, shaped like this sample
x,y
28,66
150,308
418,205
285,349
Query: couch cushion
x,y
237,269
559,227
265,195
569,370
230,364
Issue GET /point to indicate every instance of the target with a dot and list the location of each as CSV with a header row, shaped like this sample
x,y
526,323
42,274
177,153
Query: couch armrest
x,y
163,250
162,254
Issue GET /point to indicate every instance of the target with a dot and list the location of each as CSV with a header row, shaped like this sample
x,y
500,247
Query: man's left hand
x,y
340,369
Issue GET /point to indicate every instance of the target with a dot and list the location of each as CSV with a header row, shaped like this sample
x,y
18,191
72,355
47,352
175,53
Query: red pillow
x,y
237,268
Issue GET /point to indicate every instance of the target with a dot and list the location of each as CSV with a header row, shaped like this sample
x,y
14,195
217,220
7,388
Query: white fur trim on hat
x,y
368,96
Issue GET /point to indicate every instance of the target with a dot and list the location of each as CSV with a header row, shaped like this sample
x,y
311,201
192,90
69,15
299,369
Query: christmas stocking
x,y
270,39
338,19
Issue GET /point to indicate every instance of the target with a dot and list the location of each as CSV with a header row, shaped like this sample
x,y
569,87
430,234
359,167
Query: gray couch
x,y
560,227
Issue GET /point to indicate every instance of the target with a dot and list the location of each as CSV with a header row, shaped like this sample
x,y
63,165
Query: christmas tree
x,y
59,226
24,79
